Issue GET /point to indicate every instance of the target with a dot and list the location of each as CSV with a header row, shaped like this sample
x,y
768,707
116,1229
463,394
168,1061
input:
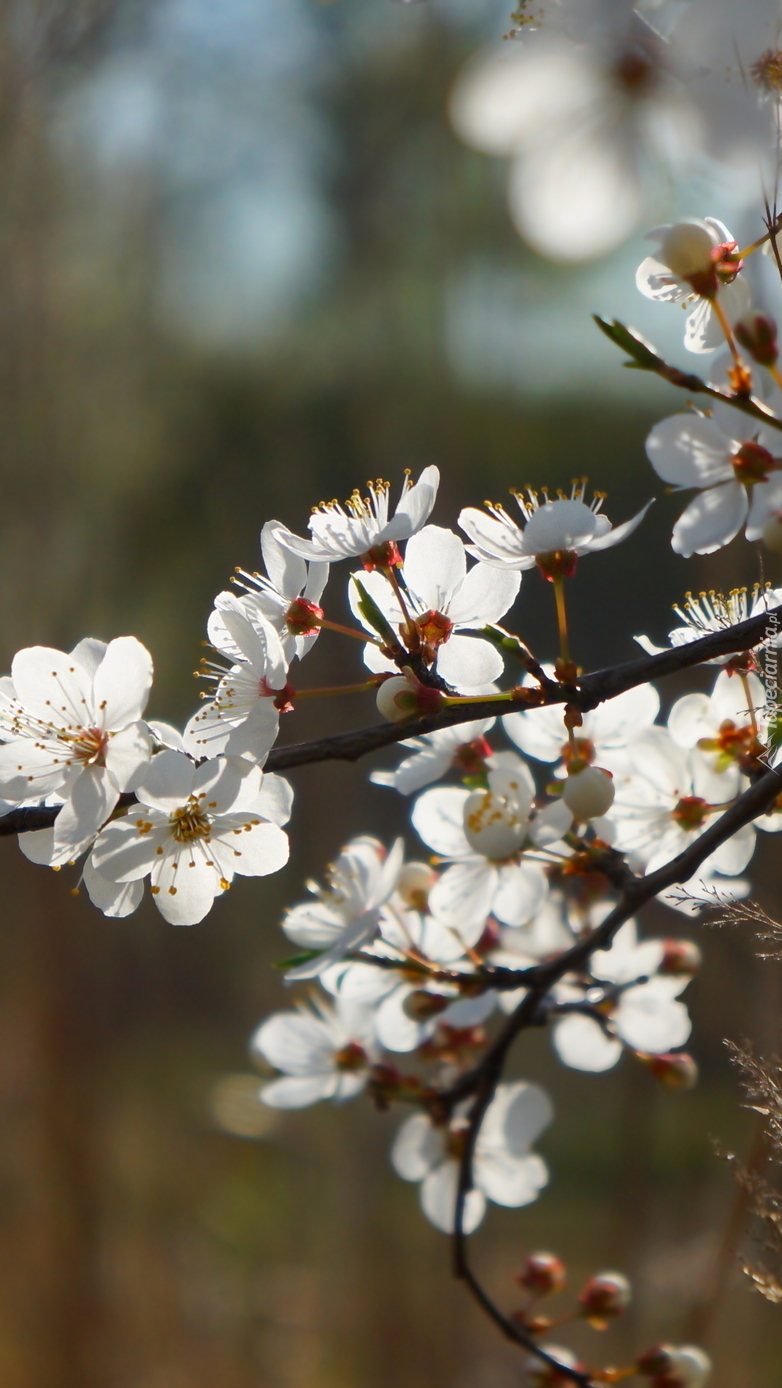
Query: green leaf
x,y
295,959
372,614
644,356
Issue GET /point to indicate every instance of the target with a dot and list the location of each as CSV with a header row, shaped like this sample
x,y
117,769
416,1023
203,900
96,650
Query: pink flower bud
x,y
414,884
681,957
420,1005
402,697
757,334
605,1295
542,1274
675,1366
675,1070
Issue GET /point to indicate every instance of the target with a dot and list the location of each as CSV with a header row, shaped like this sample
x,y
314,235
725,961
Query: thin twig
x,y
483,1079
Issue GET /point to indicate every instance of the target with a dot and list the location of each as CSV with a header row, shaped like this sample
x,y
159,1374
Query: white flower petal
x,y
298,1091
521,890
711,520
438,1200
689,450
93,797
467,662
438,818
168,781
418,1148
509,1180
581,1043
122,683
114,899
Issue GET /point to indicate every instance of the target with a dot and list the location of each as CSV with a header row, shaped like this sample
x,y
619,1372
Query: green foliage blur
x,y
163,392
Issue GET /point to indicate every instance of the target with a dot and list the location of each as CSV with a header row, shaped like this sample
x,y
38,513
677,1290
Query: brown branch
x,y
590,691
483,1079
643,357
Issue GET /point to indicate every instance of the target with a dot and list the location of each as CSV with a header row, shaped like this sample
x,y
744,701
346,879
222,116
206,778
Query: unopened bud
x,y
589,791
414,884
402,697
420,1005
687,246
542,1274
757,334
605,1295
682,958
675,1366
493,824
674,1070
540,1375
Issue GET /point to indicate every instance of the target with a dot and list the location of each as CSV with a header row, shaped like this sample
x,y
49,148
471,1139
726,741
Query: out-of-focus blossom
x,y
602,739
323,1053
670,799
344,914
482,835
645,1016
463,748
504,1169
590,115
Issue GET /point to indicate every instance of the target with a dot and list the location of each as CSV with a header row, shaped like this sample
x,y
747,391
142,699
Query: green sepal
x,y
371,613
293,961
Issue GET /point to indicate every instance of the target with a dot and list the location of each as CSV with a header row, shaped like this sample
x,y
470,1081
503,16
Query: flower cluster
x,y
547,805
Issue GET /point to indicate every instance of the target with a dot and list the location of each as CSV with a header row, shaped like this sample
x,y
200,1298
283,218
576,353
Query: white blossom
x,y
243,718
72,726
288,599
193,829
696,277
732,461
343,915
709,612
363,524
504,1168
324,1052
584,124
566,527
445,602
482,834
603,739
462,748
670,799
646,1016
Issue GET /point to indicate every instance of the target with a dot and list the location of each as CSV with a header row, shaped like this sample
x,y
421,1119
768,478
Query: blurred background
x,y
245,264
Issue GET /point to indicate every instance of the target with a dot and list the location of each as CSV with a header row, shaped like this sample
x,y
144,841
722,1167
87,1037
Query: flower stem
x,y
727,329
411,633
349,631
477,698
559,594
761,241
336,689
777,374
750,706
